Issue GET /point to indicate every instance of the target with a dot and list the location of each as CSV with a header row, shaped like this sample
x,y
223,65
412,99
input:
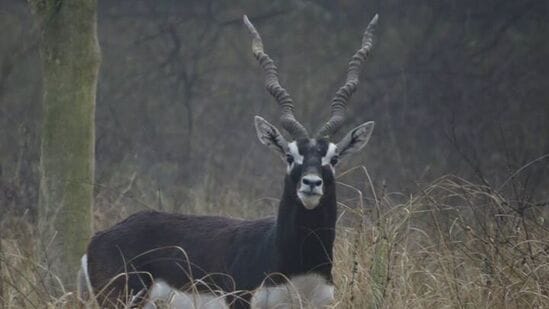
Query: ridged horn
x,y
287,118
338,105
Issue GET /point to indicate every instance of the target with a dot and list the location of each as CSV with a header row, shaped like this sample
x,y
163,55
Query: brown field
x,y
453,244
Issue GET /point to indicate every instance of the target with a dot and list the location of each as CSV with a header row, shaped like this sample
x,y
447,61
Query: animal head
x,y
311,161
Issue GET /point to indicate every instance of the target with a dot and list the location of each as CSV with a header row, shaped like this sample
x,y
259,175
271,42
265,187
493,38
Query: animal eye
x,y
289,159
334,160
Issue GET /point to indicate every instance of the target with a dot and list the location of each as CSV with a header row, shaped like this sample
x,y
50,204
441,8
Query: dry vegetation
x,y
454,87
453,244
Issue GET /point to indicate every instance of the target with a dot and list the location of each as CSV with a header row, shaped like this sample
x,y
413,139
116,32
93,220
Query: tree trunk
x,y
2,296
70,57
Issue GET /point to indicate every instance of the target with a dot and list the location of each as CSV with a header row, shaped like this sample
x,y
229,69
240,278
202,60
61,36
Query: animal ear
x,y
270,136
356,139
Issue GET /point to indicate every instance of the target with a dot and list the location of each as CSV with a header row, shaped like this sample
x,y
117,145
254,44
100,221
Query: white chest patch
x,y
305,291
167,297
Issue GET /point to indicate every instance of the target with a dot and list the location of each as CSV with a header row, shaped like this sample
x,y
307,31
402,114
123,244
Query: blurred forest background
x,y
455,88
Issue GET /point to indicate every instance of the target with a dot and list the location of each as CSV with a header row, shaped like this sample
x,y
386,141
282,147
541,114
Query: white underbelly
x,y
304,291
167,297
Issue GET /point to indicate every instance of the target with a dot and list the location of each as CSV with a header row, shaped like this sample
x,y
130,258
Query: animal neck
x,y
305,238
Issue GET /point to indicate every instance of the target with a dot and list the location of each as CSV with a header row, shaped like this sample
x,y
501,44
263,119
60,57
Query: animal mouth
x,y
309,193
309,199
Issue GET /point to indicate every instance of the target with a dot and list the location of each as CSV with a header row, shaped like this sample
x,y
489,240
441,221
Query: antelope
x,y
217,262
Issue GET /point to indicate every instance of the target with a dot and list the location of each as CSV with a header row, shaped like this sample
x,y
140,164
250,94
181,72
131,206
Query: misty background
x,y
455,87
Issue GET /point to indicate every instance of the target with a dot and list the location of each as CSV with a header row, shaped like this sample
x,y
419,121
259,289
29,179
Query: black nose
x,y
311,181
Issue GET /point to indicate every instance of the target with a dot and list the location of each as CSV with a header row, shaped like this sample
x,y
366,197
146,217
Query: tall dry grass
x,y
452,244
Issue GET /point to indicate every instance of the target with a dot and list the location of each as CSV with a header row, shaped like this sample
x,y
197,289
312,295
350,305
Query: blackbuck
x,y
216,262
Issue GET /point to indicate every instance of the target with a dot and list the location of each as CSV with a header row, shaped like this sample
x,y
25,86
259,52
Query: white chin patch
x,y
309,201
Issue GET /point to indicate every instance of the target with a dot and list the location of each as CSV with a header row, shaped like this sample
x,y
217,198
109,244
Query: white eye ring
x,y
294,152
331,156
